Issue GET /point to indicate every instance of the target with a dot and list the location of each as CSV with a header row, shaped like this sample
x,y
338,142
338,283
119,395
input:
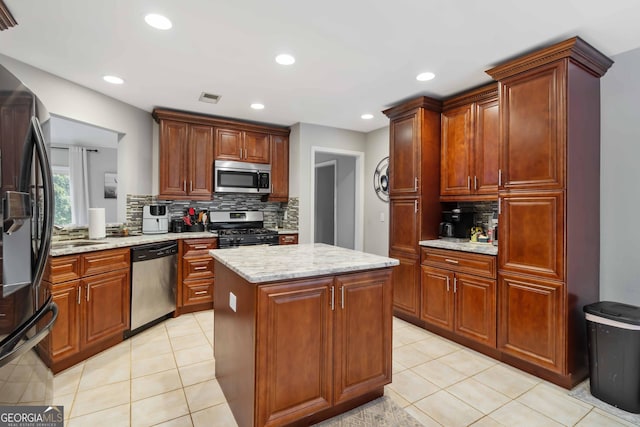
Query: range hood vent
x,y
209,97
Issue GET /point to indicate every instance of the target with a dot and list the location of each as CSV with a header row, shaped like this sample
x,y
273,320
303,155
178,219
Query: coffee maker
x,y
456,223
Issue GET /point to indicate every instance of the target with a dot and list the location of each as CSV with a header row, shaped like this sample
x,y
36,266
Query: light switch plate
x,y
381,216
232,301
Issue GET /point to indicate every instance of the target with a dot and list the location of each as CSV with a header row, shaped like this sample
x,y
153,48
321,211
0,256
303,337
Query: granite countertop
x,y
121,242
260,264
457,245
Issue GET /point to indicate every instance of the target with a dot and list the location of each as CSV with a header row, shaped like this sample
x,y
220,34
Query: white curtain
x,y
79,185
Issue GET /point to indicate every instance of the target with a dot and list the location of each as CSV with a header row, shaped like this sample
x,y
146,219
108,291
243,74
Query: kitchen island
x,y
301,332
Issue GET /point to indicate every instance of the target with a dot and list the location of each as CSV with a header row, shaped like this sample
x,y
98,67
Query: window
x,y
62,195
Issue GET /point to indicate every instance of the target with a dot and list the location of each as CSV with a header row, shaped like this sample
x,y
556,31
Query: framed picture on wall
x,y
110,185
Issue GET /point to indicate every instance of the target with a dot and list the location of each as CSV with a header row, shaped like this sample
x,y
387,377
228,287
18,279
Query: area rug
x,y
583,392
382,412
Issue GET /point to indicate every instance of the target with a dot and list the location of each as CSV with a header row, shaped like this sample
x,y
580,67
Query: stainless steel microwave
x,y
241,177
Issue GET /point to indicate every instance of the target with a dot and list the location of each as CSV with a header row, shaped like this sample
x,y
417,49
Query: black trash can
x,y
613,337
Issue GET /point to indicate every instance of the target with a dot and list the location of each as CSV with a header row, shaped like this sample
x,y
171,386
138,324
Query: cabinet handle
x,y
200,292
455,284
342,296
415,203
475,182
499,177
184,185
3,315
415,184
201,247
88,291
468,182
191,186
200,268
499,206
452,261
241,154
332,295
447,283
79,294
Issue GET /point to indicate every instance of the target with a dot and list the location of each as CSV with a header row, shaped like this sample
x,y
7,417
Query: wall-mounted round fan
x,y
381,180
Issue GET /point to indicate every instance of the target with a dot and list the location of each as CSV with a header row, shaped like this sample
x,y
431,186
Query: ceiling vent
x,y
209,97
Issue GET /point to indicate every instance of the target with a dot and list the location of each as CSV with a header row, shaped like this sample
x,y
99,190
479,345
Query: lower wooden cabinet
x,y
532,320
463,303
288,239
196,276
318,343
406,284
92,293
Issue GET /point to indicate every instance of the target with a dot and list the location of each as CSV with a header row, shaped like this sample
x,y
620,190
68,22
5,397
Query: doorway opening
x,y
326,212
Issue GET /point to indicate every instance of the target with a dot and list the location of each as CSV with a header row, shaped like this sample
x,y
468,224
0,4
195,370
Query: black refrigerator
x,y
27,314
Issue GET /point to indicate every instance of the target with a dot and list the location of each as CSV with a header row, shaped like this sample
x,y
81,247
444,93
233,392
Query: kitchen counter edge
x,y
478,248
262,264
122,242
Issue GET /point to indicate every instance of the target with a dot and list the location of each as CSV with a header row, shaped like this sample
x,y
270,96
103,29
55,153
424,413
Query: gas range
x,y
241,228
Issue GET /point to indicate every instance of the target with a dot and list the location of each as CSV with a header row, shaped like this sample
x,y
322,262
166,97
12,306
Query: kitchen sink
x,y
65,244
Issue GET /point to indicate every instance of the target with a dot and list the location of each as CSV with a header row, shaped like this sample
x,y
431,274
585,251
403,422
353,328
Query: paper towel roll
x,y
97,229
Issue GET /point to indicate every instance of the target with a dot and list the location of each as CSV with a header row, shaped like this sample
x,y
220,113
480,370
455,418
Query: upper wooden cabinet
x,y
469,154
242,146
279,168
186,160
189,144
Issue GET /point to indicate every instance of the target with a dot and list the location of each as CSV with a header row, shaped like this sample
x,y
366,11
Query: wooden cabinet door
x,y
532,109
437,297
531,320
197,291
228,144
403,231
406,284
475,308
279,168
457,140
532,234
362,341
256,147
200,162
173,158
485,147
65,336
106,306
404,156
294,351
15,115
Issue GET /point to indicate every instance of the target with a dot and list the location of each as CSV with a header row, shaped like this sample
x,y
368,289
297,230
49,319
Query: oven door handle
x,y
8,349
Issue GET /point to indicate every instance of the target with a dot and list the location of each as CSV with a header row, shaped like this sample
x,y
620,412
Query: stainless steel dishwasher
x,y
153,284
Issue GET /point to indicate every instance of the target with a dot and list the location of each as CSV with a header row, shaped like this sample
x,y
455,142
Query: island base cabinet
x,y
300,351
531,321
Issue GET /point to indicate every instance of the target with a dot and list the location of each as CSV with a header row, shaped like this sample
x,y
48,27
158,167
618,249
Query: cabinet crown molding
x,y
483,93
420,102
574,49
201,119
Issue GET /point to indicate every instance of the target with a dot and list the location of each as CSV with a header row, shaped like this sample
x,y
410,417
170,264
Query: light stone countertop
x,y
260,264
464,246
121,242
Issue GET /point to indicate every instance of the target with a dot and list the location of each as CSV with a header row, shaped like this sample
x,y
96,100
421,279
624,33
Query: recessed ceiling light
x,y
423,77
257,106
367,116
113,80
285,59
158,21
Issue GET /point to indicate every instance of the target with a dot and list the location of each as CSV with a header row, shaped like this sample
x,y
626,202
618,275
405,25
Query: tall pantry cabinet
x,y
414,192
549,203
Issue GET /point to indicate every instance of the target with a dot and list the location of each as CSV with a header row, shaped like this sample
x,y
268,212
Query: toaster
x,y
155,219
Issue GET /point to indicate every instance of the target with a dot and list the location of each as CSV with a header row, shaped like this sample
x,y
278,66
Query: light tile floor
x,y
165,376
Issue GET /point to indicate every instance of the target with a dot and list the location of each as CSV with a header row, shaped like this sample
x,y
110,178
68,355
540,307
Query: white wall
x,y
620,174
304,136
376,232
67,99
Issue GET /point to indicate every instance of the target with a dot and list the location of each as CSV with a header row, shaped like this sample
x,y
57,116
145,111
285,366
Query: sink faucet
x,y
58,227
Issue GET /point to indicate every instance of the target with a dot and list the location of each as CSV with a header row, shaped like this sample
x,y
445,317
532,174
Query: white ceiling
x,y
352,56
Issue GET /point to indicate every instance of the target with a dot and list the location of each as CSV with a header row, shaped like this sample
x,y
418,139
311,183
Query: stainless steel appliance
x,y
461,220
241,177
446,229
241,228
155,219
153,284
26,215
